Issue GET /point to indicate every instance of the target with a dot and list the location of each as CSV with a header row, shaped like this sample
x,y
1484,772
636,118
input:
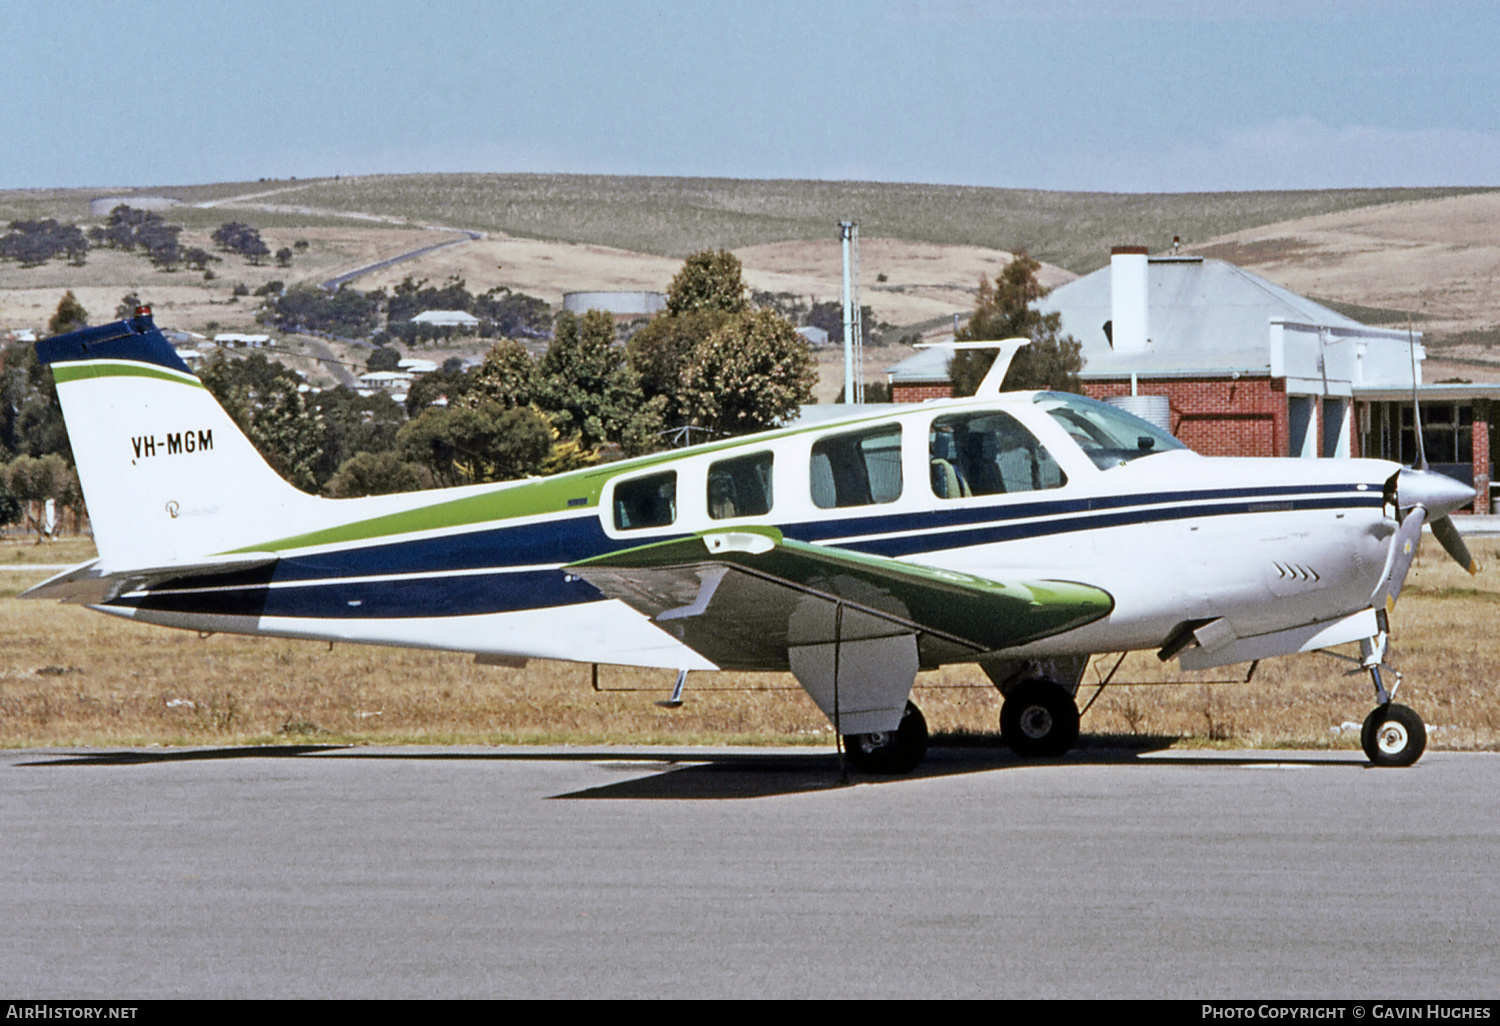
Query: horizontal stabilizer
x,y
91,584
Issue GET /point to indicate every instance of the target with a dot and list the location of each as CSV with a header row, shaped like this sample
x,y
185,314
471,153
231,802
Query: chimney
x,y
1128,299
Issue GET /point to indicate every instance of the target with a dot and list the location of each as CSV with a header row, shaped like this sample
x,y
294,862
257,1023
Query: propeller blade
x,y
1403,551
1453,543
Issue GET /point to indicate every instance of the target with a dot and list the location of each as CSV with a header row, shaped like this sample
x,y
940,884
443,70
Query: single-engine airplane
x,y
1025,532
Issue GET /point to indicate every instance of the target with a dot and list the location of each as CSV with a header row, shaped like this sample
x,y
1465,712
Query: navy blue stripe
x,y
914,545
553,541
578,537
821,530
430,596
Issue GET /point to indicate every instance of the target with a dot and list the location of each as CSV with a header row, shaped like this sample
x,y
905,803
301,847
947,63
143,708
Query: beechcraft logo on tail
x,y
172,445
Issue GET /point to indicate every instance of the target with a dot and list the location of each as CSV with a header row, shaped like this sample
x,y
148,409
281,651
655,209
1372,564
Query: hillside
x,y
924,248
676,216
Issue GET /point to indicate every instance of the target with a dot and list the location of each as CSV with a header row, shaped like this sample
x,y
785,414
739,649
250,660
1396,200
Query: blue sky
x,y
1148,96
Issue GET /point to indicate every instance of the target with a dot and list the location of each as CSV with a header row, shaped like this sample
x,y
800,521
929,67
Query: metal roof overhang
x,y
1482,390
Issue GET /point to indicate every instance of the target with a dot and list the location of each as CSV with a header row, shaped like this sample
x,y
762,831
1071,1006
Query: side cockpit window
x,y
860,468
1107,435
988,454
740,487
646,502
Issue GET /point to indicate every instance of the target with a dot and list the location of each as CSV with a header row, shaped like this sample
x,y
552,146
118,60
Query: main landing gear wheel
x,y
1039,720
890,751
1393,735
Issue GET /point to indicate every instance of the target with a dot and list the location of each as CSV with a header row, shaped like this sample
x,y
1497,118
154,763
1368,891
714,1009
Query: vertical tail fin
x,y
166,474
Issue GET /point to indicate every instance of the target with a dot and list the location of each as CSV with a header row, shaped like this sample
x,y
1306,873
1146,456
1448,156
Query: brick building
x,y
1250,368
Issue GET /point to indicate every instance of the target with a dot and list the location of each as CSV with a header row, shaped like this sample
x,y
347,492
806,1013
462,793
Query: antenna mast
x,y
854,347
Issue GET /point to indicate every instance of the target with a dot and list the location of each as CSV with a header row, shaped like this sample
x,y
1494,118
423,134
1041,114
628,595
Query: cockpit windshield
x,y
1108,435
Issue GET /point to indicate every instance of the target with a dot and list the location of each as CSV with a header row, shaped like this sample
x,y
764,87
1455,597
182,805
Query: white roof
x,y
1204,315
416,366
446,317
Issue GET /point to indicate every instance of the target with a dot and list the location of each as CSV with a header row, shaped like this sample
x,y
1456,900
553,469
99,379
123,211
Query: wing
x,y
743,598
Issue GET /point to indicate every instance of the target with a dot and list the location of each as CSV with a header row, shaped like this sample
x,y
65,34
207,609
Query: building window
x,y
1447,433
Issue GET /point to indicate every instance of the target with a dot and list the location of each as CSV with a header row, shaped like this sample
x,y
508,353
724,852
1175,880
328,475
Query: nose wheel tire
x,y
1039,720
891,751
1393,735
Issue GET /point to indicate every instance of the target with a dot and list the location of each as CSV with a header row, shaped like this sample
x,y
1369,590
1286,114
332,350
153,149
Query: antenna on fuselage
x,y
1005,351
1416,412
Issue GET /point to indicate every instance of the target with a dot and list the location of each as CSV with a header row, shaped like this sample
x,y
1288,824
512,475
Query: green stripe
x,y
532,498
64,372
548,495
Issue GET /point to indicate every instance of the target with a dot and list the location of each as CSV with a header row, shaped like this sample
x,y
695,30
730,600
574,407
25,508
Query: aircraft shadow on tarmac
x,y
689,774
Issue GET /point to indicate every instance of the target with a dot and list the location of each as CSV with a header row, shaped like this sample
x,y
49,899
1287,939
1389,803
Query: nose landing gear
x,y
1393,734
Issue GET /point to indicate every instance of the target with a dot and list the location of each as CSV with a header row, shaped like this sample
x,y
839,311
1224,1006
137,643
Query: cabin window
x,y
646,502
988,454
857,469
1107,434
740,487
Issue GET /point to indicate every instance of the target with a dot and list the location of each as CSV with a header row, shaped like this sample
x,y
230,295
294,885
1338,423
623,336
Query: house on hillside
x,y
447,319
1248,368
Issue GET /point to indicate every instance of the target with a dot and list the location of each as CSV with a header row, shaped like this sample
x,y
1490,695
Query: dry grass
x,y
69,676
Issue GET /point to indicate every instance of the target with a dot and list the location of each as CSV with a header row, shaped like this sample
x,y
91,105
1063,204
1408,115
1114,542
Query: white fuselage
x,y
1265,544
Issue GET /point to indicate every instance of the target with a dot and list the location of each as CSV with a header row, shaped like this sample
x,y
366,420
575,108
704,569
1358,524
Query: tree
x,y
284,256
709,280
377,473
752,373
353,424
237,237
1008,311
35,479
32,243
347,313
31,421
508,377
443,386
489,443
588,389
70,315
383,358
264,399
661,352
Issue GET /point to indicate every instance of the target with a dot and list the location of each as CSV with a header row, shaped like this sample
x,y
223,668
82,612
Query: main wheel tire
x,y
1039,720
891,751
1393,735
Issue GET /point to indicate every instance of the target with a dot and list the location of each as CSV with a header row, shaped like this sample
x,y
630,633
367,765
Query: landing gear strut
x,y
1039,720
890,751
